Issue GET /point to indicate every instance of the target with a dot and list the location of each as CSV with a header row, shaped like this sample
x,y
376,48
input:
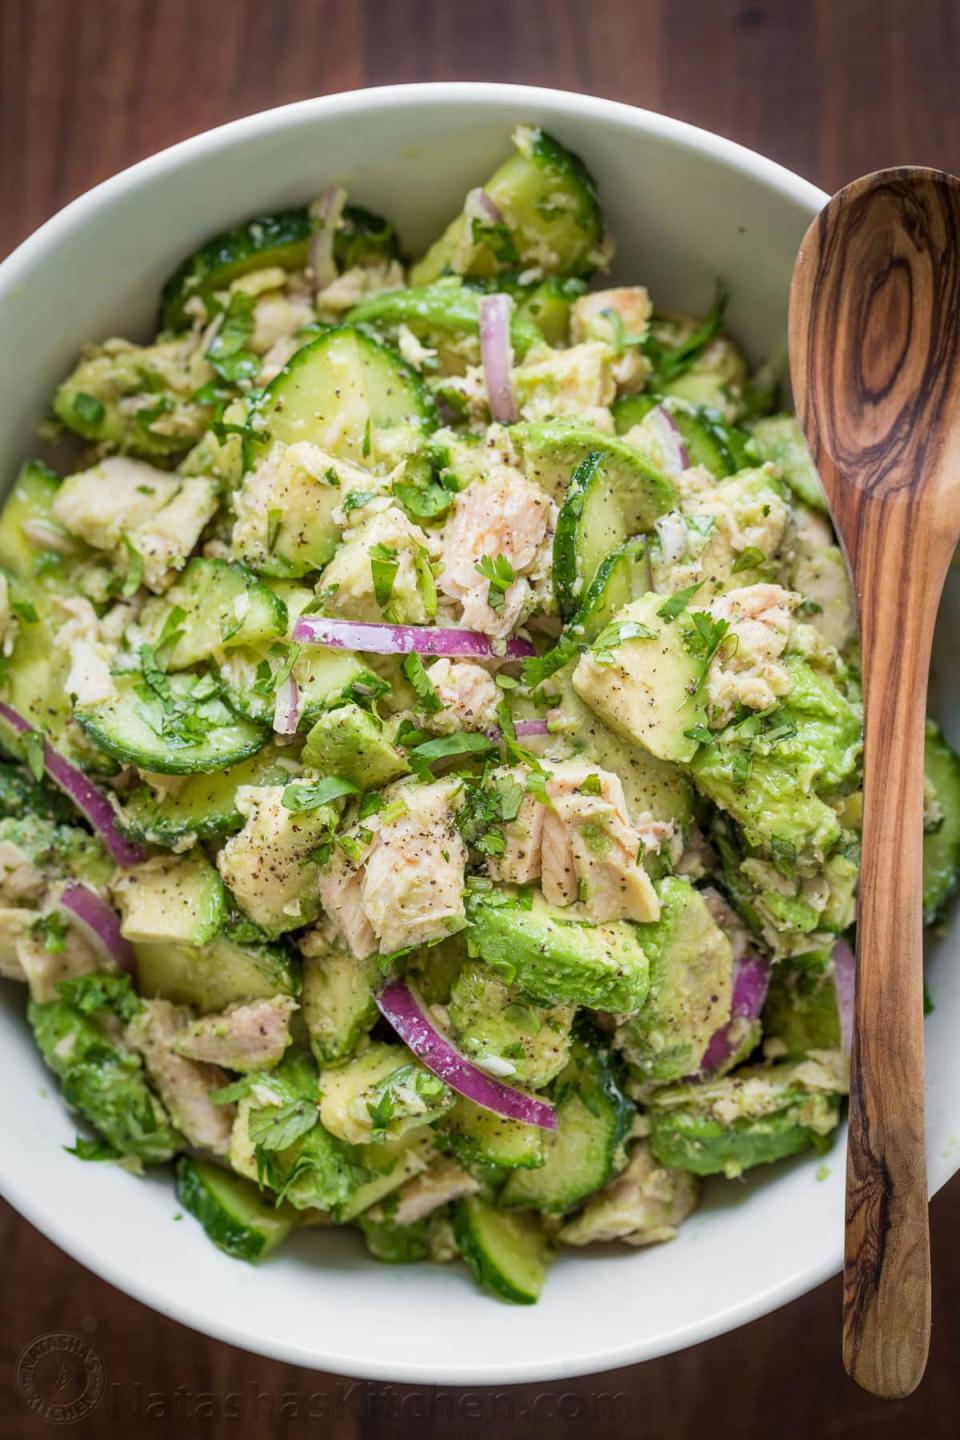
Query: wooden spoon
x,y
875,362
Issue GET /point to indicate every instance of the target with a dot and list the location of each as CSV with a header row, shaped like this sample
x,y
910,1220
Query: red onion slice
x,y
88,798
751,980
844,982
401,639
522,727
286,710
497,354
663,427
405,1011
99,922
478,204
323,267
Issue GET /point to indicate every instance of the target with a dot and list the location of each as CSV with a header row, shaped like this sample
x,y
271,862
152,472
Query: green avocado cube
x,y
640,678
750,1117
350,742
557,958
179,898
691,986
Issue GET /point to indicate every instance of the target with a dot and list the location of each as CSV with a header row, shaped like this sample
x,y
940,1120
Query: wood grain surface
x,y
875,361
832,88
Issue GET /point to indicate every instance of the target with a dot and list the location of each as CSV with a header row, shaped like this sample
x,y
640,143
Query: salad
x,y
432,725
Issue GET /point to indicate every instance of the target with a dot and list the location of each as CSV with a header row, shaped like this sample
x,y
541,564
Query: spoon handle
x,y
886,1292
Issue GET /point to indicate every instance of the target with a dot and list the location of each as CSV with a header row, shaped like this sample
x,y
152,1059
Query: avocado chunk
x,y
482,1137
349,742
179,899
780,439
381,1093
270,866
691,986
640,678
751,1117
557,958
103,1080
140,399
770,773
801,1008
210,977
493,1020
283,1143
337,1000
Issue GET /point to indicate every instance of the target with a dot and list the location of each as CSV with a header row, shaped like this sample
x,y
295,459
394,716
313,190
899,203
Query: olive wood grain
x,y
874,342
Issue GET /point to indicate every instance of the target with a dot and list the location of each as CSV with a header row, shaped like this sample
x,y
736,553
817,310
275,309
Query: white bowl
x,y
685,207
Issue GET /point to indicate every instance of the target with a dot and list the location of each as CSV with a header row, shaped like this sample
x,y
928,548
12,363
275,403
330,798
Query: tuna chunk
x,y
468,694
523,840
413,889
341,895
752,672
407,889
183,1085
14,926
21,882
251,1036
505,515
442,1182
589,852
642,1206
89,680
44,969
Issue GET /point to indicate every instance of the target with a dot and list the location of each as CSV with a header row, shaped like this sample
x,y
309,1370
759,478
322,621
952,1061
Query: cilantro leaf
x,y
416,672
677,603
304,795
500,573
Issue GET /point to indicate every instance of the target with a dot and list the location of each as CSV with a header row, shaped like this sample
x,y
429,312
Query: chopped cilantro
x,y
416,672
500,573
384,565
677,603
87,408
311,794
226,351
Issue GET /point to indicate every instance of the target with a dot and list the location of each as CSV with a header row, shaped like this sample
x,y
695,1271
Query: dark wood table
x,y
832,88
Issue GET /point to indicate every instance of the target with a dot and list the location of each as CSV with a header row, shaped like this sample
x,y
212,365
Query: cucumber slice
x,y
223,605
480,1137
339,392
629,410
553,450
232,1210
205,807
550,218
548,306
438,313
283,239
622,577
587,1148
140,728
596,518
21,795
30,499
325,678
507,1253
213,976
178,899
941,847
